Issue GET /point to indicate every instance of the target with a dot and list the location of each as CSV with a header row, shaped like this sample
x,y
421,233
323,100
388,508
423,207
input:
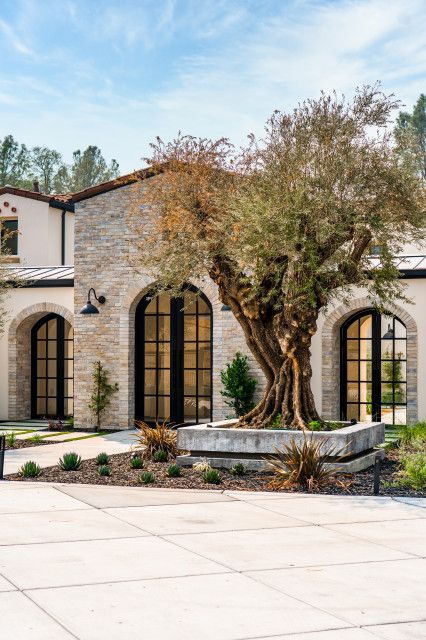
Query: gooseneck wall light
x,y
90,308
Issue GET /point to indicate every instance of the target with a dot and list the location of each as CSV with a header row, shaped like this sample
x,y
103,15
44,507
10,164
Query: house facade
x,y
166,355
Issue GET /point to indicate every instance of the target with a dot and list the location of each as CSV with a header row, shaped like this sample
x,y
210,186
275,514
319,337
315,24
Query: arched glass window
x,y
374,368
173,367
52,369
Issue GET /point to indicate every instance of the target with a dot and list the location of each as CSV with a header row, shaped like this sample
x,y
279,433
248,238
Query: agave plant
x,y
153,439
304,464
70,461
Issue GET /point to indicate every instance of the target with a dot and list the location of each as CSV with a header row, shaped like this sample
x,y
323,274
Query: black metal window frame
x,y
9,236
177,340
376,364
62,356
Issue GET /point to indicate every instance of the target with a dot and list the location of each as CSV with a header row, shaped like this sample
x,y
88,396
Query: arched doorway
x,y
52,368
374,368
173,360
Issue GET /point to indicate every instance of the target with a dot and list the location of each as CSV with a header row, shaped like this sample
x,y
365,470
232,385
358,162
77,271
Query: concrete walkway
x,y
48,455
90,562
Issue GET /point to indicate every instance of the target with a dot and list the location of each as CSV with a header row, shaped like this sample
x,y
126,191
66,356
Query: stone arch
x,y
19,347
331,356
130,301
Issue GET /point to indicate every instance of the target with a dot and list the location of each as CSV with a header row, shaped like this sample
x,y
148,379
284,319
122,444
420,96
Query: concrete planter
x,y
224,446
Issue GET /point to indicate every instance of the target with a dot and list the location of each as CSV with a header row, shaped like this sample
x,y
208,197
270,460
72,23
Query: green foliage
x,y
102,392
303,464
239,386
70,422
102,458
174,471
410,134
104,470
136,463
413,466
10,439
146,477
153,439
70,462
409,434
21,167
160,456
36,439
212,476
239,469
87,169
276,422
30,469
316,425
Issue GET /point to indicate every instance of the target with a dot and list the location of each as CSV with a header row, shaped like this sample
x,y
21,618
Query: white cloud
x,y
14,38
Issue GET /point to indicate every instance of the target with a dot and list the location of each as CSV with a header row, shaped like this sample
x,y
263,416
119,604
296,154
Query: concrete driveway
x,y
88,562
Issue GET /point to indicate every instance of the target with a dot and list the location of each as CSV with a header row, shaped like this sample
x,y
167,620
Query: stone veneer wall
x,y
105,249
331,357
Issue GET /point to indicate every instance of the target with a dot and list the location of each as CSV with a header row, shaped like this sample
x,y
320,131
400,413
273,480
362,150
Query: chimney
x,y
36,186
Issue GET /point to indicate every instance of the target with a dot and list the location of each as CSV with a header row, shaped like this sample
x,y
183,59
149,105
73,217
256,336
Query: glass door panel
x,y
52,368
173,359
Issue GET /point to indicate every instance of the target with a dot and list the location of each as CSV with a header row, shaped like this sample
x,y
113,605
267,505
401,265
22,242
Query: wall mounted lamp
x,y
90,308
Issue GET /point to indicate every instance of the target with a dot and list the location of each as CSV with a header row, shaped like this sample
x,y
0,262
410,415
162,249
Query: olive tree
x,y
284,227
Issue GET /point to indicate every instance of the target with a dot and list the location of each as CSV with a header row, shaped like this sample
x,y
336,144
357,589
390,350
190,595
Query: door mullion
x,y
60,372
376,362
176,363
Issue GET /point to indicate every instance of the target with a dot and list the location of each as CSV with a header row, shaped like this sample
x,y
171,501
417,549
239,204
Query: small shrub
x,y
160,456
36,439
316,425
70,422
276,422
413,463
239,385
412,433
303,464
333,425
70,462
30,469
173,471
136,463
146,477
239,469
104,470
102,458
10,440
212,476
152,439
202,465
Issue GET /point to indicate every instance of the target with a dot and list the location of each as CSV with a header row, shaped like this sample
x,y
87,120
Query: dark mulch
x,y
123,475
27,444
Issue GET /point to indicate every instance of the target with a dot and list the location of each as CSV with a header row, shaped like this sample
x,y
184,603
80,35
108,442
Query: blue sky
x,y
118,73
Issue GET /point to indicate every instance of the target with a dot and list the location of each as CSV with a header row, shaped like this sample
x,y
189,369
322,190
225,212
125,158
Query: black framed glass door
x,y
52,368
374,368
173,359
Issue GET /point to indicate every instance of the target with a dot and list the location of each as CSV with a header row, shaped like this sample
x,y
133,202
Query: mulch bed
x,y
123,475
27,444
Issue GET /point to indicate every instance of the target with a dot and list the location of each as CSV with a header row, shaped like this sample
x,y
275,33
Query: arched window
x,y
52,368
173,364
374,368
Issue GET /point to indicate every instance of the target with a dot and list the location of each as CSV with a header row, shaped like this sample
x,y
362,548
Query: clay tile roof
x,y
122,181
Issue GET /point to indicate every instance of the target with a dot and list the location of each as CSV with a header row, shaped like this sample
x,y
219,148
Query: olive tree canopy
x,y
284,227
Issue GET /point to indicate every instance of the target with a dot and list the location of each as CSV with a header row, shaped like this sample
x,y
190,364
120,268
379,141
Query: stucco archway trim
x,y
19,356
331,356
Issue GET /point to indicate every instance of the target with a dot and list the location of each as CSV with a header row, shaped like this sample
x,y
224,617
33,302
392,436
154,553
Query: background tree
x,y
7,278
87,169
284,228
45,165
410,134
15,163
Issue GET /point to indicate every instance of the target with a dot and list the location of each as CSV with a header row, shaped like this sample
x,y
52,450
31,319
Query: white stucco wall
x,y
39,226
17,301
416,291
